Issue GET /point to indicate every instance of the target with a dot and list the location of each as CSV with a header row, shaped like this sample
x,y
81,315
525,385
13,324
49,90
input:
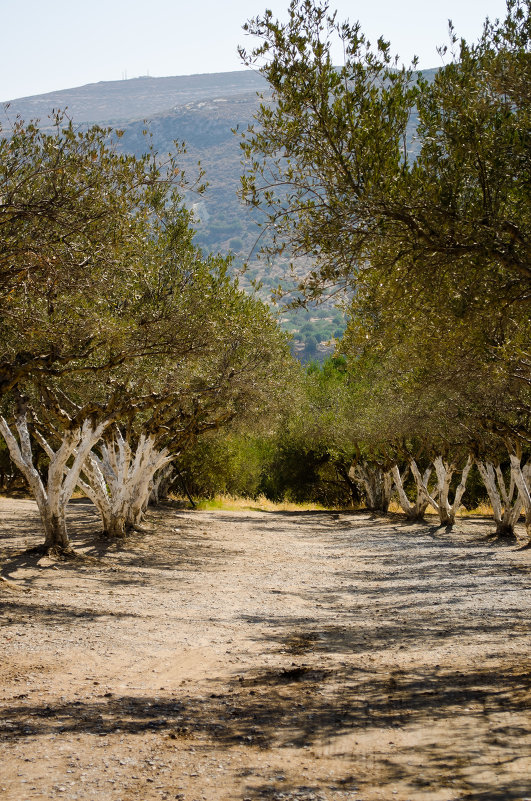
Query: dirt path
x,y
259,655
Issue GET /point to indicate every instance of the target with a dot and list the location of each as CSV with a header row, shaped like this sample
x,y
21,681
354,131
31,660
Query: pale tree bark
x,y
522,480
445,471
64,468
376,482
119,481
161,485
424,497
152,459
413,511
95,487
505,507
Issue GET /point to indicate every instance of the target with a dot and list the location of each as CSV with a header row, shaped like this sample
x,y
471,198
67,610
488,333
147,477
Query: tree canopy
x,y
428,235
412,196
118,335
331,165
77,224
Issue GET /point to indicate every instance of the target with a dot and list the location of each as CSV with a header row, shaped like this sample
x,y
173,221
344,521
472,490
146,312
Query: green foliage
x,y
432,242
226,463
77,222
298,456
314,446
330,164
109,309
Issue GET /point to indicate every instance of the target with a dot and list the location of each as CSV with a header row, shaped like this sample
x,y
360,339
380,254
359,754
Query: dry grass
x,y
484,509
260,504
234,503
263,504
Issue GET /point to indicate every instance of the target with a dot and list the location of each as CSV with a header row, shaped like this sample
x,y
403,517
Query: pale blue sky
x,y
58,44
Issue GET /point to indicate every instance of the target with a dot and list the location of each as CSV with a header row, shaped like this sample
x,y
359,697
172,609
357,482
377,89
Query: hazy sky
x,y
58,44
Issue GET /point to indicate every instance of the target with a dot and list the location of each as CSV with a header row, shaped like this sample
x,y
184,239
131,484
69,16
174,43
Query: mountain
x,y
112,102
202,111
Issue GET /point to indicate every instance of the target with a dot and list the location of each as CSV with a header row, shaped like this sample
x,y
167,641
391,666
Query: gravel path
x,y
263,655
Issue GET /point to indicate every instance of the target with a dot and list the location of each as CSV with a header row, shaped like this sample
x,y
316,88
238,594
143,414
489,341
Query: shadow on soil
x,y
138,558
325,711
324,707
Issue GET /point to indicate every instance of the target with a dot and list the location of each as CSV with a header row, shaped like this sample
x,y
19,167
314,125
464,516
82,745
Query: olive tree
x,y
240,373
331,163
429,234
194,352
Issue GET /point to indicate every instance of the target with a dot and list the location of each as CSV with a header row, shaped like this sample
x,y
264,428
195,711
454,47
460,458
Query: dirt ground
x,y
264,655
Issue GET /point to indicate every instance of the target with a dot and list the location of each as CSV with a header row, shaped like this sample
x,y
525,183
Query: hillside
x,y
203,111
118,101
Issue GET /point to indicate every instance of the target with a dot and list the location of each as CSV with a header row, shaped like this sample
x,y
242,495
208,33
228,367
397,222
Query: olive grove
x,y
427,237
121,343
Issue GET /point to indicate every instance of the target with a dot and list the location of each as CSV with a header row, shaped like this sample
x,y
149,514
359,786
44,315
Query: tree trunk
x,y
119,482
61,481
505,511
522,480
115,527
56,536
413,511
184,485
424,498
447,511
161,486
377,484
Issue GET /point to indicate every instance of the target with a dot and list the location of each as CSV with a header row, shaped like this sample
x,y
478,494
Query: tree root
x,y
140,528
109,537
60,553
502,539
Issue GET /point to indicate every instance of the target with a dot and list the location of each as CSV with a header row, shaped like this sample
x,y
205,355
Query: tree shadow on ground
x,y
323,705
326,710
136,559
347,640
18,611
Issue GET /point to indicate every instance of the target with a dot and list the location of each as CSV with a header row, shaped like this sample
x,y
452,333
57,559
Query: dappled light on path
x,y
273,656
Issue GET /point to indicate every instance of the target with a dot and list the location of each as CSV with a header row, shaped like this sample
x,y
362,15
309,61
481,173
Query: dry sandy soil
x,y
264,655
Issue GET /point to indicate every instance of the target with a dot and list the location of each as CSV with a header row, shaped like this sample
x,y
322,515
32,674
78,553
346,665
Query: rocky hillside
x,y
203,111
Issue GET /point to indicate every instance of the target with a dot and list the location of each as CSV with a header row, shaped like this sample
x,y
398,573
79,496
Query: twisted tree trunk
x,y
62,474
413,511
161,485
119,481
506,509
376,482
445,471
522,480
424,497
